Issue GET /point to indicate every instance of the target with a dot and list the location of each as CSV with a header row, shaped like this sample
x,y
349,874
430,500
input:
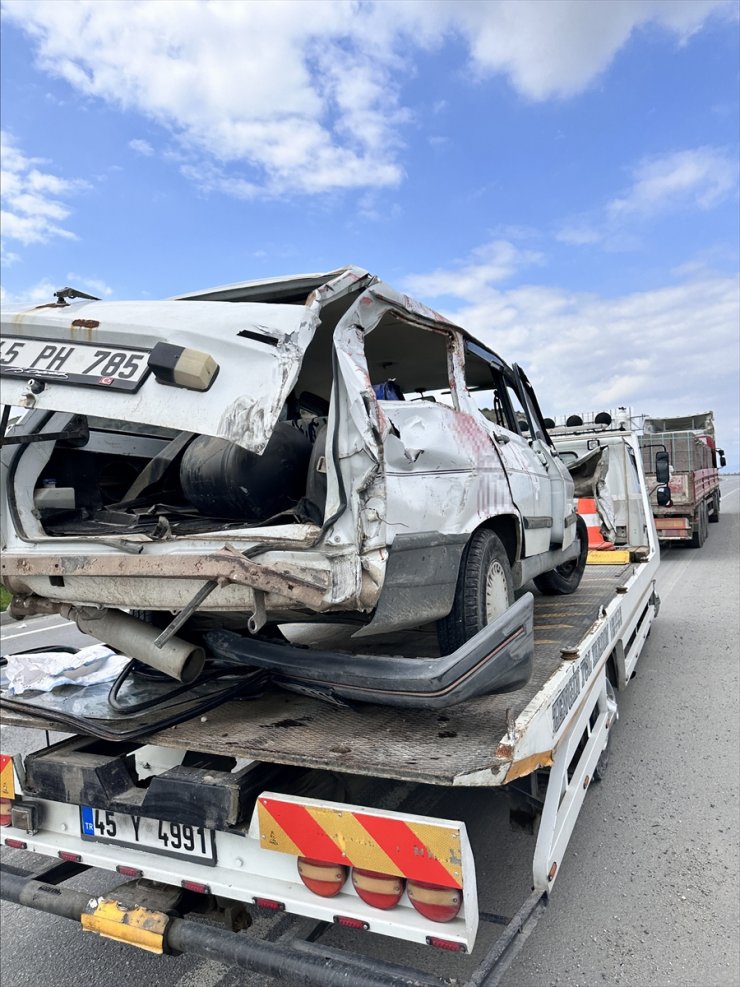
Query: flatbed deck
x,y
417,746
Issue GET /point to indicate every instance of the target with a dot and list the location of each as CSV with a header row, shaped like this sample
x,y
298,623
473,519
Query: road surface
x,y
648,893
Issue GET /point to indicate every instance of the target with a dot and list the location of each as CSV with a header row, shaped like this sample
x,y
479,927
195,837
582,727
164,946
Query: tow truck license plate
x,y
159,836
73,363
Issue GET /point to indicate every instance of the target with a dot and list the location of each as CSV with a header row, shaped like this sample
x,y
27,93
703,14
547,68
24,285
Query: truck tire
x,y
566,578
485,590
714,516
701,526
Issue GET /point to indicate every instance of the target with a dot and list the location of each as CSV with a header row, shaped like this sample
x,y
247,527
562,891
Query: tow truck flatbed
x,y
468,744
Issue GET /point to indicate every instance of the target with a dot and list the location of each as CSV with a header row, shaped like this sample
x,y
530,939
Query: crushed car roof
x,y
293,288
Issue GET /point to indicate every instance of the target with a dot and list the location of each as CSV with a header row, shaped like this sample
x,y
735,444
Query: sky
x,y
560,177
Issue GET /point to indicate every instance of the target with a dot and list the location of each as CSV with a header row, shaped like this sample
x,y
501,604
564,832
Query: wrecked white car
x,y
311,448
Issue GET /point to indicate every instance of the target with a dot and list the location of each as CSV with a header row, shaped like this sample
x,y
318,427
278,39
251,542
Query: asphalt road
x,y
648,891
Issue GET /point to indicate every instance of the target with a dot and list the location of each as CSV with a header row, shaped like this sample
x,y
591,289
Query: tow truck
x,y
324,814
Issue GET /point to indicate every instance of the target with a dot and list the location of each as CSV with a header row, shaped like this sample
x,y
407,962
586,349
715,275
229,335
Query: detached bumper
x,y
498,659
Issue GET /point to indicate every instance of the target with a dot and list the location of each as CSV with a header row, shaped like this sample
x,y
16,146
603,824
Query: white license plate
x,y
73,363
169,838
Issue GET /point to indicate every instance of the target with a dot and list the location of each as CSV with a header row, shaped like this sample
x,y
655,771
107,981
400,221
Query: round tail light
x,y
379,890
433,901
323,879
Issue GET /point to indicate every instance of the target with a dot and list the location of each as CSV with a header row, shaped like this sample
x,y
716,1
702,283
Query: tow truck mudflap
x,y
296,958
497,659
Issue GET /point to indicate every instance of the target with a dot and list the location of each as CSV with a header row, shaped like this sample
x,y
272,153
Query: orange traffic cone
x,y
589,512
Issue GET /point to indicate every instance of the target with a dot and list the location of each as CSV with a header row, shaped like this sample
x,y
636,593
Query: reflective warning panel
x,y
7,781
389,843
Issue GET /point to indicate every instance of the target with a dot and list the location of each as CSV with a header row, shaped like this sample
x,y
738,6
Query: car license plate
x,y
73,363
169,838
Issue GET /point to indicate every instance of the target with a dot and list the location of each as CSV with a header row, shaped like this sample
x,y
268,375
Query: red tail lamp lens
x,y
5,805
351,923
326,880
453,947
127,871
195,886
379,890
433,901
270,904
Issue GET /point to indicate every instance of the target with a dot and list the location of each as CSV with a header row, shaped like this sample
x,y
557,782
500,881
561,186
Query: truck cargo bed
x,y
433,748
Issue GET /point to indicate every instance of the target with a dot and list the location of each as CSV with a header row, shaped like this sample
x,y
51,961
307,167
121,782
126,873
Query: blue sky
x,y
559,177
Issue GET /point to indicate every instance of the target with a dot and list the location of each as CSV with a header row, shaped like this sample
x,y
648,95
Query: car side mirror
x,y
662,467
722,460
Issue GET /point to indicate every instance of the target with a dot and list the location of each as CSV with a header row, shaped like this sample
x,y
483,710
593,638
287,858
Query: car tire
x,y
566,578
485,590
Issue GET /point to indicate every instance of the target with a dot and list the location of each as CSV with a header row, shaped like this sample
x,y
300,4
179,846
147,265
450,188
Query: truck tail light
x,y
269,904
326,880
351,923
5,805
195,886
379,890
69,856
433,901
453,947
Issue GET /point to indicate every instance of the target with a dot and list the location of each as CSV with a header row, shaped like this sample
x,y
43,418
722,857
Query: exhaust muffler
x,y
132,637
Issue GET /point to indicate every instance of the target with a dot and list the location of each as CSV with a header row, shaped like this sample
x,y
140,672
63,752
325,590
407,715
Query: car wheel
x,y
485,590
566,578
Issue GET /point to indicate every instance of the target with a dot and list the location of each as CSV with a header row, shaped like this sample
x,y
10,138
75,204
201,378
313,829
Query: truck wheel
x,y
566,578
700,526
601,766
485,590
714,516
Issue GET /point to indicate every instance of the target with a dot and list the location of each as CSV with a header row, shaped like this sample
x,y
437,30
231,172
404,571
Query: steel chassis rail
x,y
295,956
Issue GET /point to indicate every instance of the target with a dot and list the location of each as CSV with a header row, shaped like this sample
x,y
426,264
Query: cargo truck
x,y
681,462
322,813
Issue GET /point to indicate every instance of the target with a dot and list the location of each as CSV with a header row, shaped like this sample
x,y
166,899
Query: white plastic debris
x,y
47,670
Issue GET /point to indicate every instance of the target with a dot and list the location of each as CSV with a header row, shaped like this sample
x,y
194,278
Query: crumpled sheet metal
x,y
450,438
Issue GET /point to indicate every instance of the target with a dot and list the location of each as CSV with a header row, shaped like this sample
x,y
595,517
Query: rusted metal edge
x,y
304,586
527,765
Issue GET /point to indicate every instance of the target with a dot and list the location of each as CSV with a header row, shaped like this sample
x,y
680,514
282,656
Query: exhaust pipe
x,y
132,637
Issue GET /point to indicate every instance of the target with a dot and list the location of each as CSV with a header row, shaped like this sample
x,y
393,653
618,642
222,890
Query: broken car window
x,y
408,363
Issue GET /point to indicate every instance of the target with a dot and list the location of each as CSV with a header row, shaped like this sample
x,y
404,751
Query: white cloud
x,y
38,294
304,95
557,47
670,350
580,234
93,286
31,208
700,177
487,265
42,292
693,178
141,147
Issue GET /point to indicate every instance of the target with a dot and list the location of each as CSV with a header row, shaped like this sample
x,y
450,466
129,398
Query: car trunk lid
x,y
119,360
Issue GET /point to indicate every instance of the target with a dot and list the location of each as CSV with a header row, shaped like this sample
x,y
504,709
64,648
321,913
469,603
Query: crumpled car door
x,y
560,480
